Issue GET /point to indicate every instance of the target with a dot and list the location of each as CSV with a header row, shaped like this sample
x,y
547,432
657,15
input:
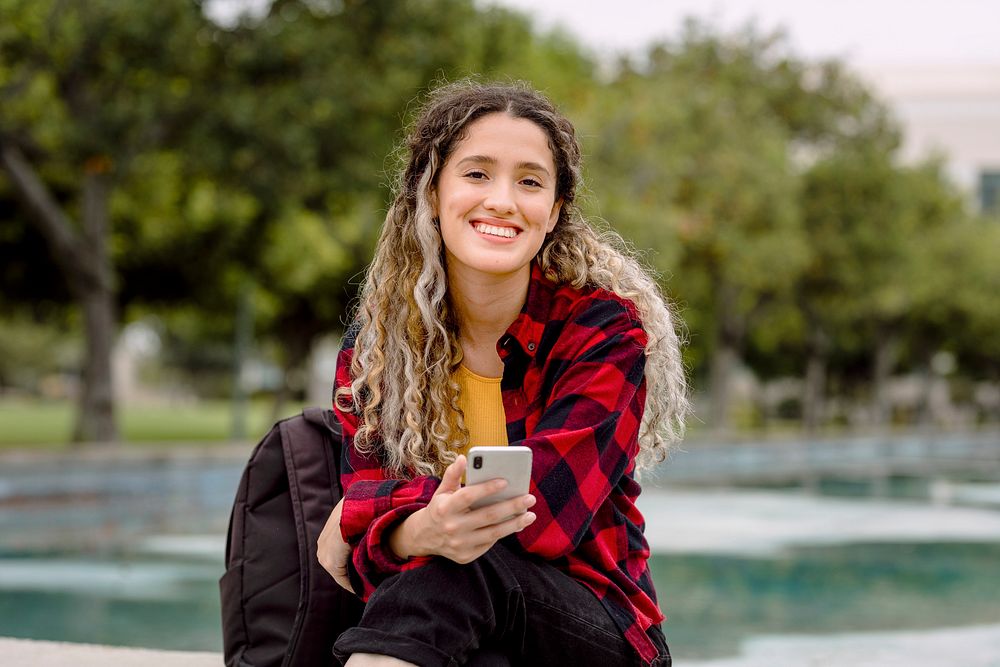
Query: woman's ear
x,y
554,216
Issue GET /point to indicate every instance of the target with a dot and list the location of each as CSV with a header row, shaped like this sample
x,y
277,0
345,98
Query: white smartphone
x,y
511,463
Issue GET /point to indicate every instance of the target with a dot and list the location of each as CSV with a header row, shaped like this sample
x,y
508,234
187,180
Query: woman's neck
x,y
486,305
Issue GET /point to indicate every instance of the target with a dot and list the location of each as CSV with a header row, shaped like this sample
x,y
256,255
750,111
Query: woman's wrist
x,y
401,539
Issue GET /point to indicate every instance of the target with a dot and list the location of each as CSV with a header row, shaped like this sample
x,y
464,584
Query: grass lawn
x,y
50,424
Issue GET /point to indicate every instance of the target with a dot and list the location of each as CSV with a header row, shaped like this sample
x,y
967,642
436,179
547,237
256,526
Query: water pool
x,y
130,553
123,552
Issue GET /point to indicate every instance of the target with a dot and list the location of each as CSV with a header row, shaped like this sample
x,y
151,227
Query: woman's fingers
x,y
331,550
500,520
503,510
470,494
475,538
339,570
480,541
487,535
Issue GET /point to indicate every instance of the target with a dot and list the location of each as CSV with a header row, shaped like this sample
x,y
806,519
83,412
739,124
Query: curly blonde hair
x,y
407,350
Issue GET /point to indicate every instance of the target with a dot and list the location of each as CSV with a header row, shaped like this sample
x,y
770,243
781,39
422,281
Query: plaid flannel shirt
x,y
573,390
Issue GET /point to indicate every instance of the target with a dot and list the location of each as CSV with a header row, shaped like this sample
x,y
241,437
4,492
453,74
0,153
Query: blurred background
x,y
190,193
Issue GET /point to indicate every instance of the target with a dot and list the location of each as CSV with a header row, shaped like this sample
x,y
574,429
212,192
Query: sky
x,y
863,32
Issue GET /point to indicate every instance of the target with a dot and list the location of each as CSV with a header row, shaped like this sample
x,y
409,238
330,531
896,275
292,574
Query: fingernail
x,y
529,518
529,501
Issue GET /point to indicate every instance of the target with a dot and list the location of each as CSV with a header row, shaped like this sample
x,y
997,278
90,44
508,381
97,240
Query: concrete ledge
x,y
32,653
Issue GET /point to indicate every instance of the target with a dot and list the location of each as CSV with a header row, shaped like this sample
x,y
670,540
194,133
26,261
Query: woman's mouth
x,y
494,230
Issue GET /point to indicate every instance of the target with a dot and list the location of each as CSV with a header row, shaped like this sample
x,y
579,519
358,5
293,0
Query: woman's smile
x,y
495,230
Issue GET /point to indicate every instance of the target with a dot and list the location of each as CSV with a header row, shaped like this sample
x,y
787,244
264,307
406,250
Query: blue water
x,y
80,560
130,554
713,603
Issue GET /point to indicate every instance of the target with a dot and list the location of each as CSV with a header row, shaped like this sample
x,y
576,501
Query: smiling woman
x,y
493,310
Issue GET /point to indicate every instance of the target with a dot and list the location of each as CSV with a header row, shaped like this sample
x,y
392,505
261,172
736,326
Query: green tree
x,y
697,167
87,88
951,281
705,166
170,164
870,222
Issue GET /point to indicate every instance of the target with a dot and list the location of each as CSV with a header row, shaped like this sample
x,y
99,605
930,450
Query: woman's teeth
x,y
506,232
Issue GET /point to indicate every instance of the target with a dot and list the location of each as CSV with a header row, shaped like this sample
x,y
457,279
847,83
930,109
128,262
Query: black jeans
x,y
502,609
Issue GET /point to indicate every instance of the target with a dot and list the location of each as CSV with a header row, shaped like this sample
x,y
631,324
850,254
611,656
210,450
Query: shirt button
x,y
531,347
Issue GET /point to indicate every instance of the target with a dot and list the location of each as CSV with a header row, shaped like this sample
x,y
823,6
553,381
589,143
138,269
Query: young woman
x,y
493,314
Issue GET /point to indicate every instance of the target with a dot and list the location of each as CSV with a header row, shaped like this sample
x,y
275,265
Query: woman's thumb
x,y
452,479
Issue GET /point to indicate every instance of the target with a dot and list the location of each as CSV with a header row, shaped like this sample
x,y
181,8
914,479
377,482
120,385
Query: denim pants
x,y
504,608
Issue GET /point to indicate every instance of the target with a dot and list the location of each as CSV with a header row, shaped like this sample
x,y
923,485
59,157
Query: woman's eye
x,y
478,175
531,182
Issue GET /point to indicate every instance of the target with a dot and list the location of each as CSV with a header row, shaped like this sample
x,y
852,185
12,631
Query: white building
x,y
950,109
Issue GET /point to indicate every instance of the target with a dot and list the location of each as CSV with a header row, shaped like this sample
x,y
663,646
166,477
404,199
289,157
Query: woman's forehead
x,y
499,136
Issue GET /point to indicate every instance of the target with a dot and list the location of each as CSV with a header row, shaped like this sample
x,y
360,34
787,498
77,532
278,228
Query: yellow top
x,y
482,404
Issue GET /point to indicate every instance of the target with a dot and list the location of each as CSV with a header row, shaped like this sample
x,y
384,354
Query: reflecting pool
x,y
129,553
714,603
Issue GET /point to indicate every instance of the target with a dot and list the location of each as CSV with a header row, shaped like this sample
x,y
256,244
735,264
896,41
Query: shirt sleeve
x,y
373,504
587,434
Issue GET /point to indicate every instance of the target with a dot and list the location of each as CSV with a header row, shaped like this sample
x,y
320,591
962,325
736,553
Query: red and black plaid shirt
x,y
573,391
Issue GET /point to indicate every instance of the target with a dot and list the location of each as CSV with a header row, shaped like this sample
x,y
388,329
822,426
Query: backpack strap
x,y
312,451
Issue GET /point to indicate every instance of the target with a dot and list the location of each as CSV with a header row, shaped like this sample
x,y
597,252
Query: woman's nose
x,y
500,198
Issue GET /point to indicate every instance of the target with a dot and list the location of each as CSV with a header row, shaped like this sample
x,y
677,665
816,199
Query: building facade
x,y
952,110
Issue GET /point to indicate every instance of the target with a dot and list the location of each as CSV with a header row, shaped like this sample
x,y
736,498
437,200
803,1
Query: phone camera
x,y
477,462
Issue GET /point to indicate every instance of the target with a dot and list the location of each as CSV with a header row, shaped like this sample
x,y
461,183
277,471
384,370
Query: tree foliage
x,y
182,166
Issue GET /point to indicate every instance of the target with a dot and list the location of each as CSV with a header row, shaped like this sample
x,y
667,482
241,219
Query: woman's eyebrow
x,y
487,159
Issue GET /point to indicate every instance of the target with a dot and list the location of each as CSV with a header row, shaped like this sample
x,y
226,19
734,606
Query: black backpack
x,y
279,607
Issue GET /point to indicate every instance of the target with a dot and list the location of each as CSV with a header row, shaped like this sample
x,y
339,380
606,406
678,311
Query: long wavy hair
x,y
407,350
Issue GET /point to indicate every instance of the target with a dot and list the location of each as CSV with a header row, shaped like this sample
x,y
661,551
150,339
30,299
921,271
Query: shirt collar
x,y
530,323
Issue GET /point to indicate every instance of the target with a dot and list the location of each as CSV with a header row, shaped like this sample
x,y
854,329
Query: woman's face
x,y
496,197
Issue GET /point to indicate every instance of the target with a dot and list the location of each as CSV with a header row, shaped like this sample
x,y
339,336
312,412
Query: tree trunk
x,y
935,399
814,394
242,341
883,363
296,352
725,355
84,261
96,417
280,396
720,377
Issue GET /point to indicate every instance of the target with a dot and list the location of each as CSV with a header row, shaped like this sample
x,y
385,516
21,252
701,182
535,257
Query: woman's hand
x,y
332,551
449,527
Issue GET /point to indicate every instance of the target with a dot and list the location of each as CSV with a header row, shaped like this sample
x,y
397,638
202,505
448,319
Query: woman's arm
x,y
372,504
